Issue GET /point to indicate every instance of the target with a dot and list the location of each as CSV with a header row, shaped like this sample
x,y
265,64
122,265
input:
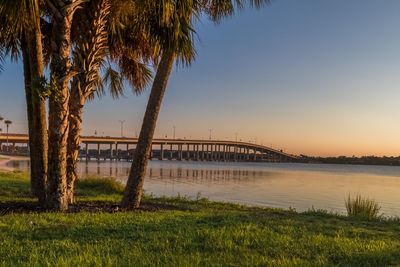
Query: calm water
x,y
300,186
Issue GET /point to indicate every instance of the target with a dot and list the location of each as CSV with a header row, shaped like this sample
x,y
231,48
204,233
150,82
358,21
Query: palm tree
x,y
172,22
99,40
20,31
62,13
90,48
171,25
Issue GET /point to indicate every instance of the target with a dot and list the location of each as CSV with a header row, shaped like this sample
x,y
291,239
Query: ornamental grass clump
x,y
362,207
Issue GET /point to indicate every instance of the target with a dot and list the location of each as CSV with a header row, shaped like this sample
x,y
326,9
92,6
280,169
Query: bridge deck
x,y
222,148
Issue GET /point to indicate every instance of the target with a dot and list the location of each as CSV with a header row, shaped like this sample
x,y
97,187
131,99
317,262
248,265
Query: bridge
x,y
115,148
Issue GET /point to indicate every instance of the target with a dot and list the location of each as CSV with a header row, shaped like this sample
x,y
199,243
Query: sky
x,y
309,77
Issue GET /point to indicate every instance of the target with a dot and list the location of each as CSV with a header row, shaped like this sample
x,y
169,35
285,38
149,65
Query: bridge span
x,y
121,148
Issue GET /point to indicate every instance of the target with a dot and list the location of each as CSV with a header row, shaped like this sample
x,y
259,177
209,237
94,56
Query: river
x,y
282,185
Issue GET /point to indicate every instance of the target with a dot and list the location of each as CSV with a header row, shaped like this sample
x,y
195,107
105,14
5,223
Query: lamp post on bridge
x,y
122,127
8,123
210,130
174,131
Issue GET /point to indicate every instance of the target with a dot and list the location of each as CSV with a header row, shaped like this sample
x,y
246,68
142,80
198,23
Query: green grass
x,y
14,186
192,233
95,189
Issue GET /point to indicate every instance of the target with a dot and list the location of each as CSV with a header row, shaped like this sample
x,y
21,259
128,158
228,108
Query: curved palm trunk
x,y
58,109
74,139
134,187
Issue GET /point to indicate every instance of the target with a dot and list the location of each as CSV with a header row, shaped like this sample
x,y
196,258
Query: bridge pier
x,y
161,152
87,152
180,152
117,156
111,152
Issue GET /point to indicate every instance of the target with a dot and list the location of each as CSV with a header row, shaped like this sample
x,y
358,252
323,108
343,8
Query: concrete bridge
x,y
114,148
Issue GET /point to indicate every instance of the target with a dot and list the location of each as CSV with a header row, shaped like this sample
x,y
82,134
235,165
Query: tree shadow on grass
x,y
21,207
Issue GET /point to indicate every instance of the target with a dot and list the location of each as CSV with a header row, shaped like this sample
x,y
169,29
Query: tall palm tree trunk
x,y
89,52
134,187
39,133
29,108
76,104
59,111
31,45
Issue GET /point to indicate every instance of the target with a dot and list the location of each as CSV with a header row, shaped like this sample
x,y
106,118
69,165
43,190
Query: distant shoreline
x,y
362,161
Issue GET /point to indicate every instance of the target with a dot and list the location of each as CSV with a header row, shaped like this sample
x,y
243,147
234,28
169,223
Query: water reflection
x,y
279,185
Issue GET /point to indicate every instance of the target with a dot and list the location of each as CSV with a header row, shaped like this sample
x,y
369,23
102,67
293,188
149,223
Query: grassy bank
x,y
187,233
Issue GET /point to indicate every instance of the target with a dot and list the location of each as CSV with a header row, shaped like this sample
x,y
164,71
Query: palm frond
x,y
136,73
216,10
115,82
90,37
169,25
16,17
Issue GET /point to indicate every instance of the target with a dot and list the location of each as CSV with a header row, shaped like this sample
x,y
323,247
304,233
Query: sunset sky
x,y
310,77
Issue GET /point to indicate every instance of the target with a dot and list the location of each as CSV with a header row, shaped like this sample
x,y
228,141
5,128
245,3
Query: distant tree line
x,y
364,160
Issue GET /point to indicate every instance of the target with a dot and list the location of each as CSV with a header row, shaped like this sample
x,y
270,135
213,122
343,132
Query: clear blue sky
x,y
311,77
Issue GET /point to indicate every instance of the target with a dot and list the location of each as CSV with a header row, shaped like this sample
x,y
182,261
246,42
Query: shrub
x,y
362,207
